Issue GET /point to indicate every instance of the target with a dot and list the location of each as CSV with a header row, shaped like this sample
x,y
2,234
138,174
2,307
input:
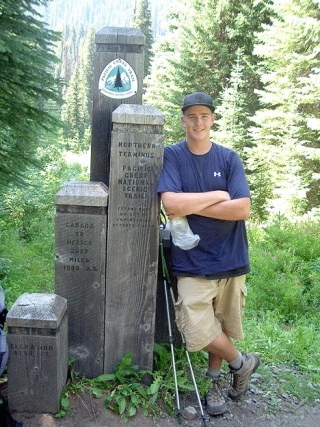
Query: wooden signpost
x,y
133,235
80,267
107,246
38,353
118,78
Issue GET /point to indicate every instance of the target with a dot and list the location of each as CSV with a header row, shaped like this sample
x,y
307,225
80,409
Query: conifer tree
x,y
232,117
118,82
289,125
27,83
77,115
201,48
142,20
233,131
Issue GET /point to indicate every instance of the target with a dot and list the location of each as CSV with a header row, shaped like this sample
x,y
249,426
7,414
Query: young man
x,y
206,183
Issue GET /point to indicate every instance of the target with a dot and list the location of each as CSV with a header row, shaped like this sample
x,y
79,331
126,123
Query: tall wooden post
x,y
133,235
80,264
118,77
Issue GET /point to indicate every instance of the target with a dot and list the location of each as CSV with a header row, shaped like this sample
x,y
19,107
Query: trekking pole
x,y
203,417
164,273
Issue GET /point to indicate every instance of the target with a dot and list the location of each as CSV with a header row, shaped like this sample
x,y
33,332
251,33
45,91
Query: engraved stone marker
x,y
80,264
38,352
118,78
133,234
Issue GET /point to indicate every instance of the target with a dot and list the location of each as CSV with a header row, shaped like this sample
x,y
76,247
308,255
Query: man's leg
x,y
198,303
219,349
241,366
228,307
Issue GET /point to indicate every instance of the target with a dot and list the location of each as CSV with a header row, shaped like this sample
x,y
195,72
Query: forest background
x,y
260,60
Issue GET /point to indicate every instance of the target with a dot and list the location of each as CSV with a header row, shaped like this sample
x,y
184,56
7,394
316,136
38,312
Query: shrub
x,y
285,272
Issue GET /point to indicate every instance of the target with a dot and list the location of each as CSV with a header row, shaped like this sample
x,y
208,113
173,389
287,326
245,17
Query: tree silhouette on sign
x,y
118,82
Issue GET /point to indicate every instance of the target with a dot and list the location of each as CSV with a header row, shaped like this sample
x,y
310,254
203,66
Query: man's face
x,y
197,121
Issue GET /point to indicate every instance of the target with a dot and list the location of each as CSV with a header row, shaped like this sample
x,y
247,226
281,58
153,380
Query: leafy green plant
x,y
73,386
285,269
163,367
124,390
128,392
129,388
5,267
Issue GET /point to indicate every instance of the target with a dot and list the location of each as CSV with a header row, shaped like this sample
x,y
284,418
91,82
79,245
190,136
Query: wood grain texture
x,y
38,353
133,237
112,43
80,260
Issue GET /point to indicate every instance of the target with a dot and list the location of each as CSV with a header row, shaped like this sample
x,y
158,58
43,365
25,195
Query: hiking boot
x,y
216,404
241,377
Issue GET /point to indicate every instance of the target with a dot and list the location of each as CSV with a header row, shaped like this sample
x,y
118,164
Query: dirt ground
x,y
87,411
255,410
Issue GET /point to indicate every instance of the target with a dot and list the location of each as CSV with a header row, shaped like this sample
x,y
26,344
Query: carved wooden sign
x,y
117,79
80,263
38,352
133,234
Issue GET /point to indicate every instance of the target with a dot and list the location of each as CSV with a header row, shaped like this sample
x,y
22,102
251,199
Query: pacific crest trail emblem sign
x,y
118,80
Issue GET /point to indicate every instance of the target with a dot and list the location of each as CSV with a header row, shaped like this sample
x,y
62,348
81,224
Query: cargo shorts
x,y
207,307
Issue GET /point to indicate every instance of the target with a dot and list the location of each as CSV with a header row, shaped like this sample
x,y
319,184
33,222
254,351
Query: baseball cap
x,y
197,98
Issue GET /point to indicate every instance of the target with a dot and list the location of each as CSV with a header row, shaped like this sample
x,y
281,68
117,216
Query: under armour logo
x,y
217,174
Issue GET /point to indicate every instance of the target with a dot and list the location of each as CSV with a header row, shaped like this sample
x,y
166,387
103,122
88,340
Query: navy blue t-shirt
x,y
223,248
